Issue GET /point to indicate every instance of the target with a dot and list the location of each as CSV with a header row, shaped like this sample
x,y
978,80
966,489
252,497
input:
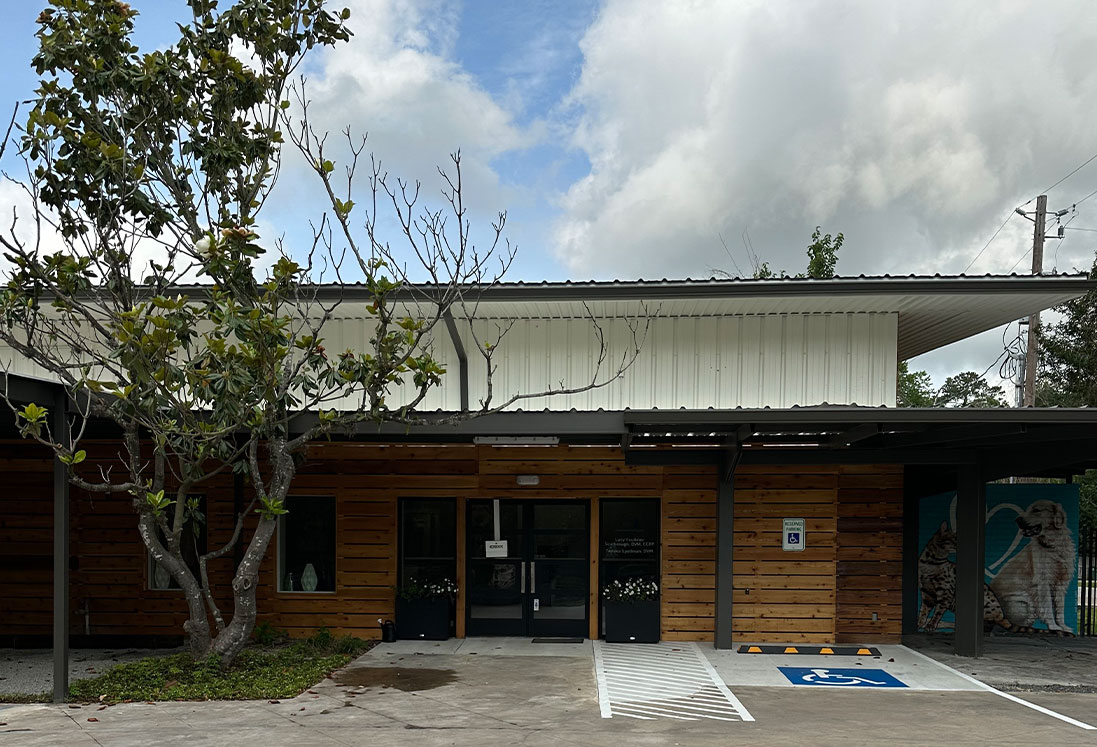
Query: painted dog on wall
x,y
1033,584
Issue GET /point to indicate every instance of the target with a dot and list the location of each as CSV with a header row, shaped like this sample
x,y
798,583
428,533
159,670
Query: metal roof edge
x,y
641,290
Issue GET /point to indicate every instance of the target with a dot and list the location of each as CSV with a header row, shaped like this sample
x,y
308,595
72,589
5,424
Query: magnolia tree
x,y
137,276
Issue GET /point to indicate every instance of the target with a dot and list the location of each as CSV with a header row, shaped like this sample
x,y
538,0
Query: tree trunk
x,y
197,625
231,641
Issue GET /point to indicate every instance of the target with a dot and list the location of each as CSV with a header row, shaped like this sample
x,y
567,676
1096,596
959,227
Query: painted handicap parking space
x,y
833,677
747,668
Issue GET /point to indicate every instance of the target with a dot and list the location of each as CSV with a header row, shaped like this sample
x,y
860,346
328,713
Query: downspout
x,y
462,359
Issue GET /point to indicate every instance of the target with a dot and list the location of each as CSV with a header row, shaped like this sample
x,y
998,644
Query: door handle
x,y
523,589
533,576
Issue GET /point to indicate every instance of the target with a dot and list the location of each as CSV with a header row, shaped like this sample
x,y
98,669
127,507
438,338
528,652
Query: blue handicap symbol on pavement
x,y
794,538
840,677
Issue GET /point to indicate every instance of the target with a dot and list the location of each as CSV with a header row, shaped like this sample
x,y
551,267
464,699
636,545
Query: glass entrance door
x,y
528,567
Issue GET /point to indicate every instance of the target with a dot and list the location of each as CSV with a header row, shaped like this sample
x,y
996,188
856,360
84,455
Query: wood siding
x,y
870,554
827,593
849,569
26,540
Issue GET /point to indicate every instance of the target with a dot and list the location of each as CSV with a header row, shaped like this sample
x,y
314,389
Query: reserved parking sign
x,y
792,535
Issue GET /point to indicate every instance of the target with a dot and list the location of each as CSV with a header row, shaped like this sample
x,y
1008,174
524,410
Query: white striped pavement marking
x,y
662,680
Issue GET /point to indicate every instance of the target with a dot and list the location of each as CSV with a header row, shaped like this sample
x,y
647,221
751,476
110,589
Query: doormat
x,y
558,640
812,650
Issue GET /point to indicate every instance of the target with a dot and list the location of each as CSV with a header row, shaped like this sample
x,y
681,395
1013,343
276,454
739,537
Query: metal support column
x,y
725,506
59,428
911,495
971,517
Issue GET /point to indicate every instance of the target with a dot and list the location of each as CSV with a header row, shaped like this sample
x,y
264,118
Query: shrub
x,y
256,674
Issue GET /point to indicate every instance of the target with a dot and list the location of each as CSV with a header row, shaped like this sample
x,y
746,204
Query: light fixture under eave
x,y
528,479
516,440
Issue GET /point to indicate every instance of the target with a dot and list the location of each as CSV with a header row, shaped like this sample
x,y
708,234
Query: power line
x,y
992,238
1072,217
992,365
1079,168
1094,192
1053,186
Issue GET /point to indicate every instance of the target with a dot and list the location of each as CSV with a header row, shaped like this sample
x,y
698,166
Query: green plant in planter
x,y
631,590
415,588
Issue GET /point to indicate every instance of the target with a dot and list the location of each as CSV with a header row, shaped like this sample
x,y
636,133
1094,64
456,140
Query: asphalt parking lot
x,y
494,693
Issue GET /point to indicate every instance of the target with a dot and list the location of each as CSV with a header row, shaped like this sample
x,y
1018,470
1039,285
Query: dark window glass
x,y
482,528
629,539
428,539
193,541
306,544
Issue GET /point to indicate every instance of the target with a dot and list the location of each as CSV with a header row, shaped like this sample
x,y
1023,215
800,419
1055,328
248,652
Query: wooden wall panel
x,y
827,593
26,540
870,553
688,555
778,596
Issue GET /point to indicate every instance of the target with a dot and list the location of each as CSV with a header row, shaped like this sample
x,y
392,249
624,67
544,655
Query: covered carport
x,y
939,449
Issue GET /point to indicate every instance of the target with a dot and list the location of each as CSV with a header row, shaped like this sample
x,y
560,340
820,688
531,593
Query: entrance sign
x,y
629,546
495,549
839,677
792,535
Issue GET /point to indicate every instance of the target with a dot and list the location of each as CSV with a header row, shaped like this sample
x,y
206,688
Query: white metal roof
x,y
933,311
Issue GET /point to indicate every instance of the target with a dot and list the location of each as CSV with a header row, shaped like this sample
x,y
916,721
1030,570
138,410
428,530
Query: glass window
x,y
630,539
192,540
428,539
306,544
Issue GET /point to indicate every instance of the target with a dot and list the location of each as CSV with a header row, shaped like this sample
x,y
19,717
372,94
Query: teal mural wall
x,y
1031,552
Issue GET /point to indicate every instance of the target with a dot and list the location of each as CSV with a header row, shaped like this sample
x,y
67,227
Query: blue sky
x,y
628,138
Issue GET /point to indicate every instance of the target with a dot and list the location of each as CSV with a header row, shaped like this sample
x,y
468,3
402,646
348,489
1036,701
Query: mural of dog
x,y
1033,584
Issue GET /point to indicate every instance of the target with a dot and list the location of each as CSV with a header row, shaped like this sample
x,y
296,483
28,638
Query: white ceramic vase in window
x,y
161,579
308,578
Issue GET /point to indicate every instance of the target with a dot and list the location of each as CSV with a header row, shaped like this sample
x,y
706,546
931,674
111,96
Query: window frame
x,y
280,546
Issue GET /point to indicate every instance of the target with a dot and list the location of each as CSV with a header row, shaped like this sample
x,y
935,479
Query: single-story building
x,y
750,402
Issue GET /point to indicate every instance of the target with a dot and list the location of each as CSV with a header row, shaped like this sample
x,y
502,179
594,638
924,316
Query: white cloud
x,y
913,128
396,80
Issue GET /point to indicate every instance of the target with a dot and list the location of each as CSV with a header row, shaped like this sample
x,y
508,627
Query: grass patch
x,y
257,674
46,697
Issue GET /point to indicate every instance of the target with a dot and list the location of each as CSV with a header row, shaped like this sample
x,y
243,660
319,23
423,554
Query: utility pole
x,y
1034,320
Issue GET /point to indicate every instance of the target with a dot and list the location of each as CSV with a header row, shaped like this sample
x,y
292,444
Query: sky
x,y
635,139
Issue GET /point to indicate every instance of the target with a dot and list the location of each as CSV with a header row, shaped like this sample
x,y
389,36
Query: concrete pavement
x,y
403,695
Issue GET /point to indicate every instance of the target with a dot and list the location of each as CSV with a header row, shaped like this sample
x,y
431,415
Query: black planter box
x,y
422,619
632,622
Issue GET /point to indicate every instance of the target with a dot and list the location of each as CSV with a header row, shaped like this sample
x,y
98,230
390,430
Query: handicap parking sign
x,y
792,534
839,677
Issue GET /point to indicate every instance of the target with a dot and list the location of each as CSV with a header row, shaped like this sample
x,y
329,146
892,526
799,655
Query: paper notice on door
x,y
495,548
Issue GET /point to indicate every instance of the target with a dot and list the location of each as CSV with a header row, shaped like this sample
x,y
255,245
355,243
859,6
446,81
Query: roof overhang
x,y
1004,442
933,311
